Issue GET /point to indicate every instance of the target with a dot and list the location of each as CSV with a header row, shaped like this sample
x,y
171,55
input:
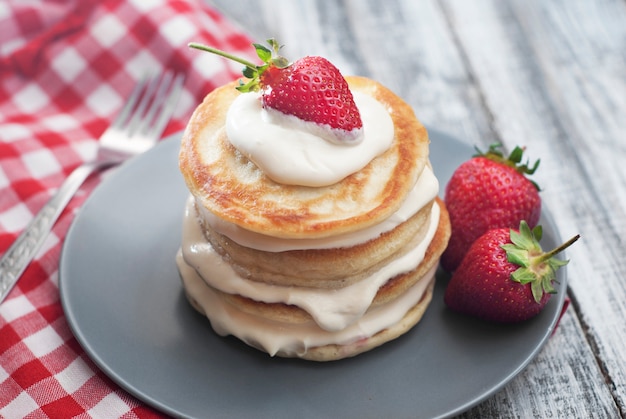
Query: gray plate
x,y
123,300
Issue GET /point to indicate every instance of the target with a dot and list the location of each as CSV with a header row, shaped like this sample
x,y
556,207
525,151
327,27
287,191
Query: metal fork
x,y
138,127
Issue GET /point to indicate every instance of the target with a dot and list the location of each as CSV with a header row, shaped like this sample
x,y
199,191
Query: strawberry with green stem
x,y
311,89
490,190
505,276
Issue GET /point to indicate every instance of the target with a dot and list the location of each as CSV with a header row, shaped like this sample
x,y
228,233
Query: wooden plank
x,y
552,74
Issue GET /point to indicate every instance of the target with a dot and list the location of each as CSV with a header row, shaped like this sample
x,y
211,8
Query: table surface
x,y
547,75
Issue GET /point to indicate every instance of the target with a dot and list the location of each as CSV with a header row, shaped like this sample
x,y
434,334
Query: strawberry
x,y
505,276
488,191
311,89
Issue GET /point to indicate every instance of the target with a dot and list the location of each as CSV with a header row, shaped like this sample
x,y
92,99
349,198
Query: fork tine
x,y
168,107
157,100
130,104
134,124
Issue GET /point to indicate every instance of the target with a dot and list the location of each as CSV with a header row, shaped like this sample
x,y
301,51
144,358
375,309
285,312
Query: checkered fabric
x,y
66,67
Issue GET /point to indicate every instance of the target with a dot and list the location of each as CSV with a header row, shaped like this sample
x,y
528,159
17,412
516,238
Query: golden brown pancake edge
x,y
234,189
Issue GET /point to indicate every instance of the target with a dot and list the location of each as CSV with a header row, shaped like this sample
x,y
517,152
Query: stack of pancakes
x,y
320,273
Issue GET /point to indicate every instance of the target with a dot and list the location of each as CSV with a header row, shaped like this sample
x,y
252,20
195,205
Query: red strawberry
x,y
505,276
488,191
311,88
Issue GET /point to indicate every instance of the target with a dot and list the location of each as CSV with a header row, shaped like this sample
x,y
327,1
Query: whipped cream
x,y
332,309
294,340
291,154
425,190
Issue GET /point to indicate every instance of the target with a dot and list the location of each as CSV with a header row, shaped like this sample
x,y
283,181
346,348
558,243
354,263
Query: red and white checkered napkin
x,y
66,67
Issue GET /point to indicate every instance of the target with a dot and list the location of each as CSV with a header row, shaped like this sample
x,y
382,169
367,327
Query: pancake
x,y
316,272
389,291
229,185
320,268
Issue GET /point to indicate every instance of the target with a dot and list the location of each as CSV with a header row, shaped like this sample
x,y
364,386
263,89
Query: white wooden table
x,y
550,75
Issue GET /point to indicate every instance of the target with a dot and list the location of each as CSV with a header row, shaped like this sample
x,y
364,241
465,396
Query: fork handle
x,y
26,246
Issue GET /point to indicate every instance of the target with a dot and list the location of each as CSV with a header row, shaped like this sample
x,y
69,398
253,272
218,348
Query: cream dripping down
x,y
332,309
290,340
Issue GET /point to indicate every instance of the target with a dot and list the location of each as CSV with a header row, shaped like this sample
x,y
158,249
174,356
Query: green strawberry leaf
x,y
263,53
516,255
516,154
537,289
249,72
526,239
514,160
536,267
251,86
547,285
523,275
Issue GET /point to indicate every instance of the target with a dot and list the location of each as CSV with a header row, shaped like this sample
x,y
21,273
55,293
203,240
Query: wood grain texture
x,y
561,68
550,75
